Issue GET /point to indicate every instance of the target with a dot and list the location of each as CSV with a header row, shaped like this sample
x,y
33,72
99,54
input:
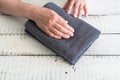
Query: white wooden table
x,y
24,58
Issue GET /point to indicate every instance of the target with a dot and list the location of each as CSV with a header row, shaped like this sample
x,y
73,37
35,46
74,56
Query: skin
x,y
77,6
47,20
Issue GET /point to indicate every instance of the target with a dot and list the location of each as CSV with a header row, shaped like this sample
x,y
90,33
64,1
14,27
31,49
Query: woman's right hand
x,y
51,23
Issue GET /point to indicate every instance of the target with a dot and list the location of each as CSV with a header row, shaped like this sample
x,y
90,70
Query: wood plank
x,y
10,24
101,7
54,68
27,45
107,24
100,62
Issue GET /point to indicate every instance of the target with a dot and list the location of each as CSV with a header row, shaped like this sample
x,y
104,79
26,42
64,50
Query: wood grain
x,y
107,24
54,68
27,45
24,58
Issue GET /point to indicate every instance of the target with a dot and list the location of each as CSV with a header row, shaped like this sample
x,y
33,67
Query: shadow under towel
x,y
70,49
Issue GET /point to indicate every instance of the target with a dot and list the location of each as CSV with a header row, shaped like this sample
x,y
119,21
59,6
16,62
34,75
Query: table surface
x,y
24,58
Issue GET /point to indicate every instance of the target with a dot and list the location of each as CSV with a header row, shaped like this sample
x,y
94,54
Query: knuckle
x,y
52,20
47,26
51,35
63,23
52,12
49,23
56,33
60,28
60,34
53,15
64,30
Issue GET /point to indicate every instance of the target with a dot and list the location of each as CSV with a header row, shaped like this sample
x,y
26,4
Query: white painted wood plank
x,y
21,45
27,45
54,68
106,24
10,24
96,7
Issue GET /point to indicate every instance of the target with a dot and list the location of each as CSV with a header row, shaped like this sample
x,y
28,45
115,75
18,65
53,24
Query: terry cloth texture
x,y
70,49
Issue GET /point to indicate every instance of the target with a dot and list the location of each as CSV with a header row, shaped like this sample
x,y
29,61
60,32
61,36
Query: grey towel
x,y
70,49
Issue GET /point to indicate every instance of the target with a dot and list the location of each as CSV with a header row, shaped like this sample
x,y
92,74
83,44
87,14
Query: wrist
x,y
28,11
33,13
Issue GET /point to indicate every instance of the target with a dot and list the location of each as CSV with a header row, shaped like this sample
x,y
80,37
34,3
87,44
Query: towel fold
x,y
70,49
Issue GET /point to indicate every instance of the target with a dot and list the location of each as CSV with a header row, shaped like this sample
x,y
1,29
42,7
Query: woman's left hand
x,y
77,6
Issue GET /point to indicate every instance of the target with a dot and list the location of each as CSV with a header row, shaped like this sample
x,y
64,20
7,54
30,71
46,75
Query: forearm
x,y
46,19
16,8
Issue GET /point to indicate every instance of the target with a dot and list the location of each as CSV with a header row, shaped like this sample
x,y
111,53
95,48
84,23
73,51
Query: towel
x,y
70,49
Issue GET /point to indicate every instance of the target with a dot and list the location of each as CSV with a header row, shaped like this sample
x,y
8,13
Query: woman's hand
x,y
47,20
51,23
77,6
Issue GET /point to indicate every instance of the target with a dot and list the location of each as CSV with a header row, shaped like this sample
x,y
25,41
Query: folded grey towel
x,y
70,49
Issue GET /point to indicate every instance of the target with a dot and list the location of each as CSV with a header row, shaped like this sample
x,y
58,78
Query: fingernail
x,y
66,36
75,16
73,30
58,37
72,34
66,21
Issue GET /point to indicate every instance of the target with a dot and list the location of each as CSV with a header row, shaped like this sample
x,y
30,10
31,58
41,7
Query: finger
x,y
63,30
48,32
53,35
58,33
80,10
85,10
64,23
75,11
66,26
70,6
66,4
